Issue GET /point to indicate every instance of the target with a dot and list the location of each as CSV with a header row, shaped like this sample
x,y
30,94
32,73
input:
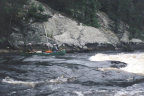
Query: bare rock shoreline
x,y
127,47
9,52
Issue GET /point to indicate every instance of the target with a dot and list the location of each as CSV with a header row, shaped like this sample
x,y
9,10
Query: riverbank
x,y
9,52
124,47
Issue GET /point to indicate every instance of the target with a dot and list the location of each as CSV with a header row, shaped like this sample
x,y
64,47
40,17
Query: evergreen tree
x,y
125,12
137,28
23,14
9,10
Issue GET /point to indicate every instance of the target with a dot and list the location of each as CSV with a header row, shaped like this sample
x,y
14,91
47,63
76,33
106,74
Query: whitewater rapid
x,y
74,74
135,61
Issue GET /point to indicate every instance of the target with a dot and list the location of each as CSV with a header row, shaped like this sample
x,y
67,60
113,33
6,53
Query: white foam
x,y
58,80
61,79
124,92
78,93
11,81
135,61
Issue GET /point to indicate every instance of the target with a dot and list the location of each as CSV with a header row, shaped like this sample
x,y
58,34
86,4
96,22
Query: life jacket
x,y
29,48
54,48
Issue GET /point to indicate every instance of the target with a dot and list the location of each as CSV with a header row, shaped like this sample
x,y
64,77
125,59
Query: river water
x,y
70,75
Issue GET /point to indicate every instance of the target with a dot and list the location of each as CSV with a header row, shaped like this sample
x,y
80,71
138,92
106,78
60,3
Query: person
x,y
54,48
29,48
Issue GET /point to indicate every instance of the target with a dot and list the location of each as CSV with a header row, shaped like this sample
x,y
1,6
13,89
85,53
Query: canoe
x,y
62,52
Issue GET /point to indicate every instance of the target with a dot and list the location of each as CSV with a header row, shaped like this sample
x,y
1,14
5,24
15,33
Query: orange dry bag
x,y
48,51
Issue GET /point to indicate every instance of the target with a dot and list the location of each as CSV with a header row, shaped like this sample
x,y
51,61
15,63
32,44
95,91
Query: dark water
x,y
68,75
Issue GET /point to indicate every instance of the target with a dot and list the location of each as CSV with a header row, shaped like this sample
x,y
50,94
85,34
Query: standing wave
x,y
135,61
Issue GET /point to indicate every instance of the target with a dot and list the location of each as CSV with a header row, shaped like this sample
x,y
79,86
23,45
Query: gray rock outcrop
x,y
62,30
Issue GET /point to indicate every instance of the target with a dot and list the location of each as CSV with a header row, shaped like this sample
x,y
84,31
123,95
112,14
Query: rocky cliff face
x,y
66,32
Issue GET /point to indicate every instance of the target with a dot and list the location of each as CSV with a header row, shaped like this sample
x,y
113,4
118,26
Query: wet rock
x,y
87,76
118,64
109,77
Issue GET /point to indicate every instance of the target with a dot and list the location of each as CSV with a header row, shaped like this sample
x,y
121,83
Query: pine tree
x,y
21,13
9,11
